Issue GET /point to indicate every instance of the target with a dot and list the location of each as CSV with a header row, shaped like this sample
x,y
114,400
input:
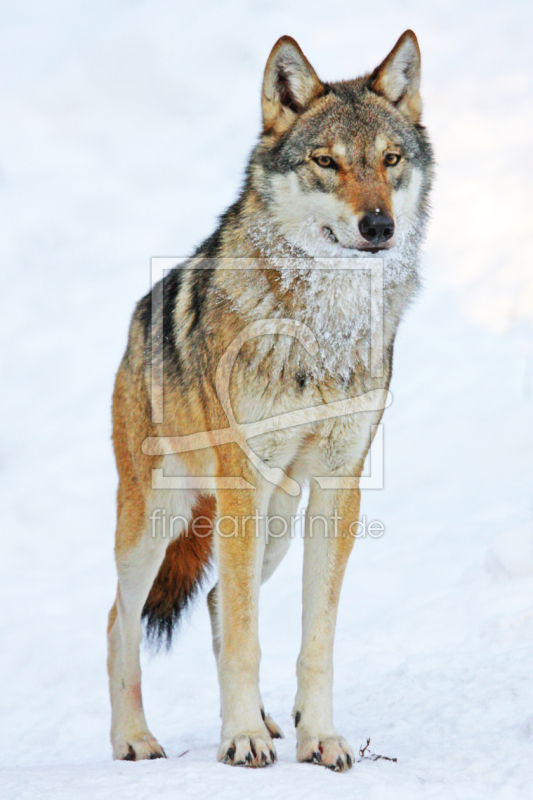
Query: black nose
x,y
376,227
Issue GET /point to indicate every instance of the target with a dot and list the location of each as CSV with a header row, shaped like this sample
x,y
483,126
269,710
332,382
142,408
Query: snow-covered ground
x,y
125,128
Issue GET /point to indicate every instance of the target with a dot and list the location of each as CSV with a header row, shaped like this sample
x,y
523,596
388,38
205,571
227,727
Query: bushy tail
x,y
181,575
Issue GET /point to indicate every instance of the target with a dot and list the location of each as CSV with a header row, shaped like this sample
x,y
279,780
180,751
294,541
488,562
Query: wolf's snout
x,y
376,227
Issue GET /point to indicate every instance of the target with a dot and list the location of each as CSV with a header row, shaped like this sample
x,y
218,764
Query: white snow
x,y
125,129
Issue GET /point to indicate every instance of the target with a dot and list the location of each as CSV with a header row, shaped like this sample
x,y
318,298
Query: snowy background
x,y
124,130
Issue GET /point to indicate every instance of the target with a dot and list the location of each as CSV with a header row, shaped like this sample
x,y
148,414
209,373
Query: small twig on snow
x,y
372,756
362,750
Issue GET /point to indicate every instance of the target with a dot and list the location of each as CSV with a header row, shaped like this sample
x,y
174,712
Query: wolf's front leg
x,y
240,543
328,543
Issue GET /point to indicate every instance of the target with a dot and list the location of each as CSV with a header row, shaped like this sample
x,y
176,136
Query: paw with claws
x,y
248,750
332,752
138,748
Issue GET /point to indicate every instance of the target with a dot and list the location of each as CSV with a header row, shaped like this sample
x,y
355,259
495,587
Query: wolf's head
x,y
344,167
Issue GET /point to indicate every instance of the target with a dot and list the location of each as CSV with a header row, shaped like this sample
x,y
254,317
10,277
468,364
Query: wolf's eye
x,y
325,161
391,159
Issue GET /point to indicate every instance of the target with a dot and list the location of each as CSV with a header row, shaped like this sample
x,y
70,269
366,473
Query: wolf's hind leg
x,y
212,605
137,566
281,525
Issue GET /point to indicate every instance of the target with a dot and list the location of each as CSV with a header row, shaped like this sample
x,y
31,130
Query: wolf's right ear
x,y
289,85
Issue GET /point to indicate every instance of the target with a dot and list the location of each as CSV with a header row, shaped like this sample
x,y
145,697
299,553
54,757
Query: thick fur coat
x,y
292,305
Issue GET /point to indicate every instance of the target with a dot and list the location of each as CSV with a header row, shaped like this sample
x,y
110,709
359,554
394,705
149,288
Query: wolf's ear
x,y
398,77
289,85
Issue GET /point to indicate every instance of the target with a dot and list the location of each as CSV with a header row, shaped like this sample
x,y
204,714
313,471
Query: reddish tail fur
x,y
184,569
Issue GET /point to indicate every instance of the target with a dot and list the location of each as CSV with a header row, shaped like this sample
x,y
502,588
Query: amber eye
x,y
325,161
391,159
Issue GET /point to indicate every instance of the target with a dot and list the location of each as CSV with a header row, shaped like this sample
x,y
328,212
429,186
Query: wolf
x,y
250,371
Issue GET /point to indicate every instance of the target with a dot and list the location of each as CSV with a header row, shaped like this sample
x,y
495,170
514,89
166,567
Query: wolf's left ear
x,y
289,85
398,77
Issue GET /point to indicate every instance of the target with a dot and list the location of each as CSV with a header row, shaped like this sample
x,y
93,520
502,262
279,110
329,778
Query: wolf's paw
x,y
273,729
137,748
332,752
248,750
